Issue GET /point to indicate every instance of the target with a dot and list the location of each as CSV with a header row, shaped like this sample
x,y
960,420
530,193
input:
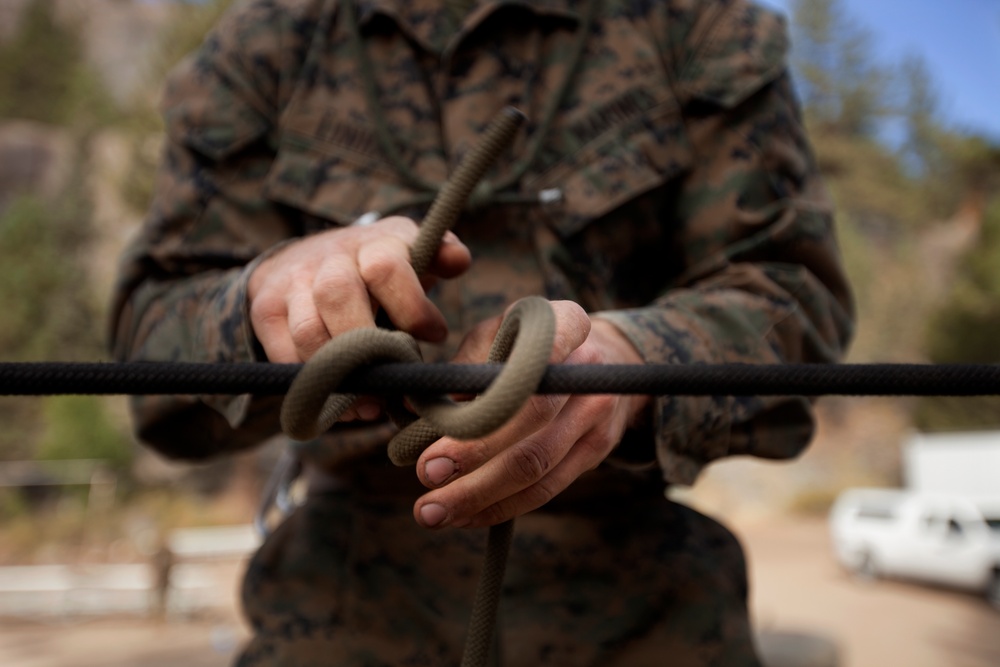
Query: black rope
x,y
263,379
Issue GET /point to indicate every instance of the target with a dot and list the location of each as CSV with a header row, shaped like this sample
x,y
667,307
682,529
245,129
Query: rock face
x,y
10,13
120,39
34,158
119,36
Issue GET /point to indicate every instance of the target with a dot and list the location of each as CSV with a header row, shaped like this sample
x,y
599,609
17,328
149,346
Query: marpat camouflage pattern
x,y
691,216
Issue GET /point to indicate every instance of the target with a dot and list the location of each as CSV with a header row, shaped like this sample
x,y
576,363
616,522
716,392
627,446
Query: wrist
x,y
619,349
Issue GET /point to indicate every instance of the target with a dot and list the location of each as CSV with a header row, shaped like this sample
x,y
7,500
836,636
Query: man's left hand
x,y
550,442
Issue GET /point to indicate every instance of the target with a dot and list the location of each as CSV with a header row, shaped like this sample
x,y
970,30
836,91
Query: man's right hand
x,y
322,285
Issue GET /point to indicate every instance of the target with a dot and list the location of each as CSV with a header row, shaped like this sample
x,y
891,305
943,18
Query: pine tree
x,y
842,86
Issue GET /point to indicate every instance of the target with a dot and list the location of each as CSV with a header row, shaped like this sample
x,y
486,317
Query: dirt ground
x,y
796,587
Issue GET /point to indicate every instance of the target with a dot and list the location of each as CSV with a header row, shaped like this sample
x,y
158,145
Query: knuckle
x,y
542,492
596,446
401,225
528,461
473,453
267,309
586,354
308,334
379,264
601,404
334,285
468,502
494,514
476,343
544,408
530,499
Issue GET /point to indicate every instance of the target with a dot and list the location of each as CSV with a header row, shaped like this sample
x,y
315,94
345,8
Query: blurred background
x,y
110,555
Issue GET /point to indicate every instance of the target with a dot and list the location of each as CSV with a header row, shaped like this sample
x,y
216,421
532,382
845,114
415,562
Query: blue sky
x,y
958,39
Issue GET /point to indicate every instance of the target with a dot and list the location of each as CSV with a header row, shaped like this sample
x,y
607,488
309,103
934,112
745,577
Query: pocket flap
x,y
624,163
335,184
205,113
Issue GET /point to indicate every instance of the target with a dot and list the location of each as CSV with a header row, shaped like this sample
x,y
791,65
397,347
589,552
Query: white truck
x,y
942,539
943,528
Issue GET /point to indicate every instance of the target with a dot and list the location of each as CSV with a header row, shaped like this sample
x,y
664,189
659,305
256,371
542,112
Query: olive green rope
x,y
455,192
530,319
524,341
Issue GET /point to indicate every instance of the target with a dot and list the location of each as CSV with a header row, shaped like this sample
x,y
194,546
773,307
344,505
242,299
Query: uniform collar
x,y
427,23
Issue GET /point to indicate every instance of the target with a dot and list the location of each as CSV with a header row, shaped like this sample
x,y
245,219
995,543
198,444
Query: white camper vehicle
x,y
962,464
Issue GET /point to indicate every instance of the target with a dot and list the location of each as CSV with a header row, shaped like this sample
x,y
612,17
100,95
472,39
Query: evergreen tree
x,y
44,75
842,86
965,330
920,111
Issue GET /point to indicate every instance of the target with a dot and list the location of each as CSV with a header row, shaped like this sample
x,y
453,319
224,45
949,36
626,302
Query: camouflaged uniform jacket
x,y
691,213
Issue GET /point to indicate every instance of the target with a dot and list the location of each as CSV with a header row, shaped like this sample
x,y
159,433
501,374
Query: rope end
x,y
514,113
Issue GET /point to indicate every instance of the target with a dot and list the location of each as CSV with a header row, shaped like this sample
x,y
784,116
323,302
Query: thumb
x,y
475,347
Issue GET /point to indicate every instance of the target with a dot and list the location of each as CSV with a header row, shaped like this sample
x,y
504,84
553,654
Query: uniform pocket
x,y
329,181
623,163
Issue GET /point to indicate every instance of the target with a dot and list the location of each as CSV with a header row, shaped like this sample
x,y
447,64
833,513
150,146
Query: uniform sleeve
x,y
763,280
181,288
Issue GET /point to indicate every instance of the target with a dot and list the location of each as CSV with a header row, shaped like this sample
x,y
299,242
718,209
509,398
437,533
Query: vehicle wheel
x,y
866,569
993,590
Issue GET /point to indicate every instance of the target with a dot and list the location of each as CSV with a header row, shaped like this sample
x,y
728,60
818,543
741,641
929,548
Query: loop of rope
x,y
311,405
524,342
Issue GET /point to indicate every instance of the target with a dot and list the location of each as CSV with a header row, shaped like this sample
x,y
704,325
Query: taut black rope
x,y
265,379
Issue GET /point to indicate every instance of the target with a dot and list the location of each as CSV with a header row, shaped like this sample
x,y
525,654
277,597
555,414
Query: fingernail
x,y
433,514
439,470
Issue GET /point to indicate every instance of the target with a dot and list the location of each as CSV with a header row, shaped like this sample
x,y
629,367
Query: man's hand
x,y
320,286
549,443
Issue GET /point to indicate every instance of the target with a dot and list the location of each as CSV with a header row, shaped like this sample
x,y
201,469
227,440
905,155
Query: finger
x,y
366,408
475,346
520,466
306,328
467,456
452,259
448,460
341,298
599,425
269,320
582,457
387,274
572,328
405,228
277,342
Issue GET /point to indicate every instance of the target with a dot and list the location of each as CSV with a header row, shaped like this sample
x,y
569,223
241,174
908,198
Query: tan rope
x,y
450,200
524,341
